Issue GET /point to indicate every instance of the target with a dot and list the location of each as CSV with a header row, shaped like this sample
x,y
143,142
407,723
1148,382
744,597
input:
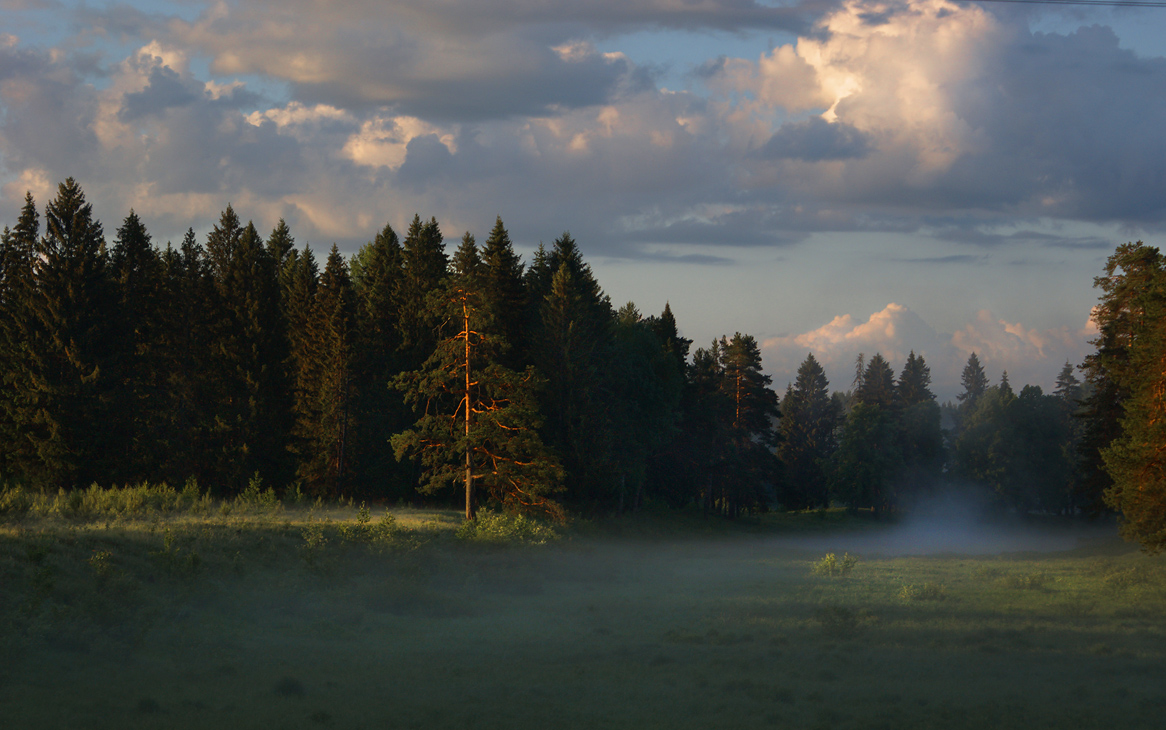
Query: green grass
x,y
302,617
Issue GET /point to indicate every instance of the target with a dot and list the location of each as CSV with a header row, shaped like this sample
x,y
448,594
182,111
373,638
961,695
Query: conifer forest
x,y
419,370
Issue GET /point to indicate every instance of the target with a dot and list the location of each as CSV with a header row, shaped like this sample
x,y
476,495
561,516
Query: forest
x,y
416,371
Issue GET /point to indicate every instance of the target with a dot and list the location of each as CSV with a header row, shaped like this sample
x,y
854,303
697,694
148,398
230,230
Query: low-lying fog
x,y
958,525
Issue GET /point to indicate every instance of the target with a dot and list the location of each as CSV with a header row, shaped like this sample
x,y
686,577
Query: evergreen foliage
x,y
71,343
478,420
241,362
810,419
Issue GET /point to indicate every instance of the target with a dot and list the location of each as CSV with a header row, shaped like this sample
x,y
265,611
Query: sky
x,y
829,177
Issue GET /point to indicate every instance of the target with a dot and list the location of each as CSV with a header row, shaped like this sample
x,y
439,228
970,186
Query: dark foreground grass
x,y
296,618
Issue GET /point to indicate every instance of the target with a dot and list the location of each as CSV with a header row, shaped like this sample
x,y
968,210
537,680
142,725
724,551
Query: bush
x,y
1026,581
256,498
923,592
832,566
506,528
383,533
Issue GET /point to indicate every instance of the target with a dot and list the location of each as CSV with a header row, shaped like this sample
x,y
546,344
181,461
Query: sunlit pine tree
x,y
478,420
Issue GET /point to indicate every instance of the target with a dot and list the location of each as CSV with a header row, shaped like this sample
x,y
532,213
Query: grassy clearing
x,y
302,617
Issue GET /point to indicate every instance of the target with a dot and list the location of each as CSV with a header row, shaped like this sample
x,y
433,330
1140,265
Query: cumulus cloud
x,y
937,105
879,118
1029,355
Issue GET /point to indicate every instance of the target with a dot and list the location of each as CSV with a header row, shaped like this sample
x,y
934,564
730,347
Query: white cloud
x,y
1029,355
383,142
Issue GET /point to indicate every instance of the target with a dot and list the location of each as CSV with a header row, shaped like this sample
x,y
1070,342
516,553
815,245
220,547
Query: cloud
x,y
815,140
1029,355
949,107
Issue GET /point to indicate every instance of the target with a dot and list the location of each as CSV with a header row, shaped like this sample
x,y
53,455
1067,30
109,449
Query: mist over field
x,y
959,523
304,621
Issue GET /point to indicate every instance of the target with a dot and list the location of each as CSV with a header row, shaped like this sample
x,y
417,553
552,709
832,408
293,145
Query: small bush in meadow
x,y
506,528
1120,580
258,499
831,566
923,592
1026,581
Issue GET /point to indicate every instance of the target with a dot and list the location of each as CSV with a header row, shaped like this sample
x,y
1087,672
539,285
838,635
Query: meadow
x,y
156,608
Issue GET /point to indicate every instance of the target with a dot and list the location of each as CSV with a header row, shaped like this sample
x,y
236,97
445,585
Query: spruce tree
x,y
974,381
17,290
809,420
877,385
505,290
377,274
914,384
248,349
423,270
324,424
71,346
570,349
921,436
186,315
136,269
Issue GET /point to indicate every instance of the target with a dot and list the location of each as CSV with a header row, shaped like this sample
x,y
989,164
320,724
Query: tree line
x,y
401,371
406,371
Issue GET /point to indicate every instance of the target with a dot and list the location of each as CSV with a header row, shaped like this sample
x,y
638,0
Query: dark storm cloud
x,y
816,140
1075,128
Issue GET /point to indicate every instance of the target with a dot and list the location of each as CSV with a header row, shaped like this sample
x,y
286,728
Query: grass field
x,y
265,616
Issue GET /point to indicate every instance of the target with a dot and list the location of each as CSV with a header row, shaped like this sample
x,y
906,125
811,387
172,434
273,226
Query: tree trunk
x,y
469,415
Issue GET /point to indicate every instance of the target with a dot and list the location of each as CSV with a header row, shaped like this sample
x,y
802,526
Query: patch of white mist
x,y
955,523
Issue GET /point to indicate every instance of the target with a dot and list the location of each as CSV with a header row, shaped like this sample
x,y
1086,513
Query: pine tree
x,y
1127,375
478,420
753,468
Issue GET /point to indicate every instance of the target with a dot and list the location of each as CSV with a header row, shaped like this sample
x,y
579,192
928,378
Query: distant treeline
x,y
406,371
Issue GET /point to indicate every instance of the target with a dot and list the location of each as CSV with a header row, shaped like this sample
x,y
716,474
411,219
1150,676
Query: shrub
x,y
506,528
383,533
923,592
832,566
1026,581
1120,580
839,621
256,498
